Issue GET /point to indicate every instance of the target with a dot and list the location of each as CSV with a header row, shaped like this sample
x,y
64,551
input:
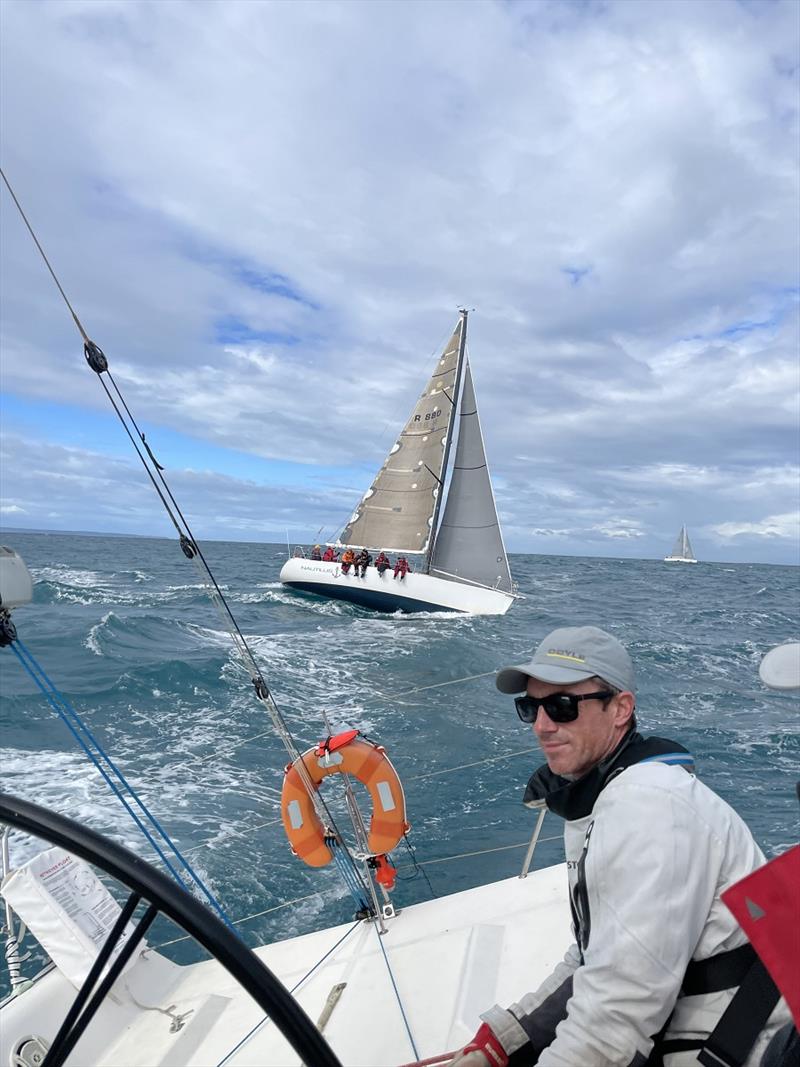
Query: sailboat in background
x,y
682,550
457,556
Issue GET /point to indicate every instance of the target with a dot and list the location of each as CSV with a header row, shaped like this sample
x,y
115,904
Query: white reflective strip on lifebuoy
x,y
330,759
385,795
295,814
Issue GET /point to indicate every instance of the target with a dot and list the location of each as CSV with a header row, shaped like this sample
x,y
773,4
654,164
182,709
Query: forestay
x,y
469,544
396,512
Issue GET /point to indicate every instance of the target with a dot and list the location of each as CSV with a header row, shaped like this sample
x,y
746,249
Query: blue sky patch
x,y
231,330
71,426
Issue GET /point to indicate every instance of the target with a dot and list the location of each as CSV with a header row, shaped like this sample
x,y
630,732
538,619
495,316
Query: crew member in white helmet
x,y
654,975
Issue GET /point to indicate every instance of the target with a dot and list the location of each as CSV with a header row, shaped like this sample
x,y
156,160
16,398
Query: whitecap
x,y
92,641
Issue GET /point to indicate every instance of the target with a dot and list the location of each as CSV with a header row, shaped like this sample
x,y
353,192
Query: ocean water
x,y
125,631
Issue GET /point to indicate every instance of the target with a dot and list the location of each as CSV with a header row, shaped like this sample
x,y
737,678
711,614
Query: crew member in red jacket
x,y
402,567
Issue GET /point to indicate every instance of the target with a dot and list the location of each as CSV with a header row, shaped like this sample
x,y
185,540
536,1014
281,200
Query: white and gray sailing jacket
x,y
649,851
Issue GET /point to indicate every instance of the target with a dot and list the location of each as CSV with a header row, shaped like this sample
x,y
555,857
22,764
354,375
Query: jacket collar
x,y
576,799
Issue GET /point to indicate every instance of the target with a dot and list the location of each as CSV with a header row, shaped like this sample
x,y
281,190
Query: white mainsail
x,y
396,513
469,544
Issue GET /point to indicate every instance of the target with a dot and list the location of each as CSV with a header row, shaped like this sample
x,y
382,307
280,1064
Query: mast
x,y
456,389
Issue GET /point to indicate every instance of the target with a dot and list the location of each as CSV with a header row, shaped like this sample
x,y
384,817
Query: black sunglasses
x,y
560,707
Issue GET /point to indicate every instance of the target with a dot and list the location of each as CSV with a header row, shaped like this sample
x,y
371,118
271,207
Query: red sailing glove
x,y
486,1041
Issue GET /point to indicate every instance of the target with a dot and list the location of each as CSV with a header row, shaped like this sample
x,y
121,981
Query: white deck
x,y
415,592
451,959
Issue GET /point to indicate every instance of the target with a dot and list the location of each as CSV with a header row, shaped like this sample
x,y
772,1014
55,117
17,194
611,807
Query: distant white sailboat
x,y
682,550
458,559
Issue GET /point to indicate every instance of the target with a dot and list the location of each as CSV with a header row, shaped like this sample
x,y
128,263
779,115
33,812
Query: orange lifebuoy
x,y
345,754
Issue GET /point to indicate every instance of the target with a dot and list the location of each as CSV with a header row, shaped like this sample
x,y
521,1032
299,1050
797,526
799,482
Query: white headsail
x,y
469,544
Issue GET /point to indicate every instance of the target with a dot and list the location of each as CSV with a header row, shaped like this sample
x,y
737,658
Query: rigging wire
x,y
397,993
416,867
98,362
475,763
435,685
484,852
231,748
263,1022
451,681
83,333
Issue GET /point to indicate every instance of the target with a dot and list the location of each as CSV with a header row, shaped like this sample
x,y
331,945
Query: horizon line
x,y
4,530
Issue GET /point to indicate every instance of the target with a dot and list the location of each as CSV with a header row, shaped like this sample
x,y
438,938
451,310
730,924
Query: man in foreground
x,y
657,957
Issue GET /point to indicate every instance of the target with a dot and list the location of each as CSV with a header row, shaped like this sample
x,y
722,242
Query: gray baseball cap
x,y
570,655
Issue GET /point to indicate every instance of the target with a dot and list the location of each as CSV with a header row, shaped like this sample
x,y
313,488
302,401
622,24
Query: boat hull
x,y
415,592
678,559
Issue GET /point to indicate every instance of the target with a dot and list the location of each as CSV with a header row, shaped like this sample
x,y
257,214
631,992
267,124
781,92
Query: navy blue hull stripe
x,y
368,598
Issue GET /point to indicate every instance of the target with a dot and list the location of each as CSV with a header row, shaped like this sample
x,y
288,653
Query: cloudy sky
x,y
267,214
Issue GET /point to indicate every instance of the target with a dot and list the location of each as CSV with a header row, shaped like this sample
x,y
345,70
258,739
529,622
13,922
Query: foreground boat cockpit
x,y
119,992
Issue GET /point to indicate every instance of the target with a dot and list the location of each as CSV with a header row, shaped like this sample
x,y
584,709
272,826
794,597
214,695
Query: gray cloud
x,y
47,486
267,216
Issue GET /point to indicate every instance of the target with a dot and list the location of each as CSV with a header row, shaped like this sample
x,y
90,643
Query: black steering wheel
x,y
162,896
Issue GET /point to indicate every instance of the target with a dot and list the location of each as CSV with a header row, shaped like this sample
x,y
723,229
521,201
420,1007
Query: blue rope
x,y
349,879
297,985
397,994
64,710
348,873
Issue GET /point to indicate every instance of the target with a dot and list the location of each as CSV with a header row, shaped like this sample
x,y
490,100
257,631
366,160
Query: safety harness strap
x,y
730,1042
743,1020
723,971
